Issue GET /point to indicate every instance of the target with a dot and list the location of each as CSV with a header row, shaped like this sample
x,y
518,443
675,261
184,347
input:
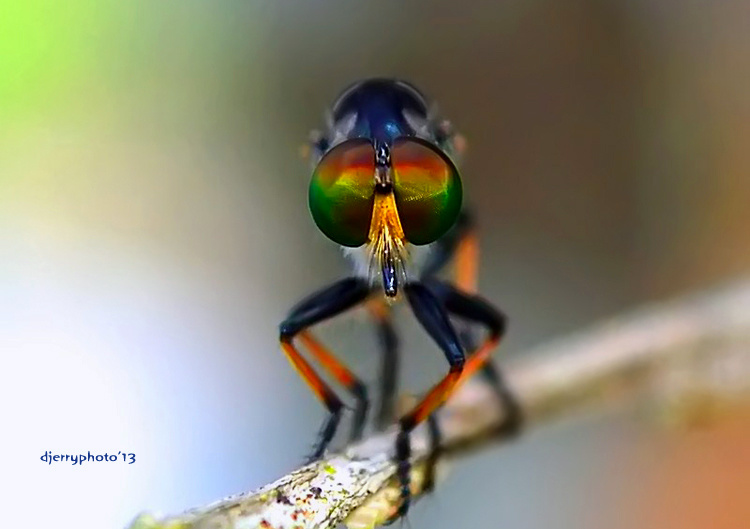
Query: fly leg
x,y
461,244
474,309
322,305
433,317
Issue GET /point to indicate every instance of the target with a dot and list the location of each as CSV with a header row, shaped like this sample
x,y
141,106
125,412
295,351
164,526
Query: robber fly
x,y
386,187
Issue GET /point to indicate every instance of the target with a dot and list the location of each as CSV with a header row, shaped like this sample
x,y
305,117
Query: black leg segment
x,y
430,313
388,342
435,439
323,304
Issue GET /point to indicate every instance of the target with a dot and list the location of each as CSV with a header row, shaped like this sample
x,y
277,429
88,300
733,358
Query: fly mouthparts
x,y
390,279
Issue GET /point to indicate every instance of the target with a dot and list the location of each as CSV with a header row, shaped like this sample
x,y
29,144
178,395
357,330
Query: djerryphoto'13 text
x,y
48,457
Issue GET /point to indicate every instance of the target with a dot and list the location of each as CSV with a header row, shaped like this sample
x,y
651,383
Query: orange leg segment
x,y
479,358
344,376
437,395
308,374
467,262
338,370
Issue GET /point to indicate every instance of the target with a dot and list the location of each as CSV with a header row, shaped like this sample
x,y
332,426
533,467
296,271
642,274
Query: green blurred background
x,y
154,230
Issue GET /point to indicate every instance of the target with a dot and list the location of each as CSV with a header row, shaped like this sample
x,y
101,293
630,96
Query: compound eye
x,y
342,192
427,189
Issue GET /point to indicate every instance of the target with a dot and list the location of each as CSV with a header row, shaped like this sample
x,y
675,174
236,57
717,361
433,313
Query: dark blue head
x,y
379,107
383,176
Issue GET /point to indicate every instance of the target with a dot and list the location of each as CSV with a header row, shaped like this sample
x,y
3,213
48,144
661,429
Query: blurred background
x,y
154,230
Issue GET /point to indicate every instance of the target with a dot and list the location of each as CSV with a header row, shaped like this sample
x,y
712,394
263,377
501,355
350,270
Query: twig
x,y
690,356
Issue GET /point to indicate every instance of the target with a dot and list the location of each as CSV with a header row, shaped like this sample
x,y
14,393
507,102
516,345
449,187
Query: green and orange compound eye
x,y
342,192
426,183
427,188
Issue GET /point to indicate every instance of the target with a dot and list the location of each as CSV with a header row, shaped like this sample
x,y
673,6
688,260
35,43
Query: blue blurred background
x,y
154,230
